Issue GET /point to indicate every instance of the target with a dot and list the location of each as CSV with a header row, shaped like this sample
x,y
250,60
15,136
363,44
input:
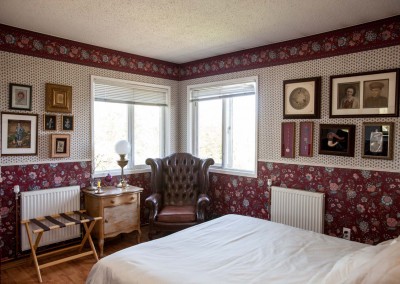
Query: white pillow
x,y
384,268
349,263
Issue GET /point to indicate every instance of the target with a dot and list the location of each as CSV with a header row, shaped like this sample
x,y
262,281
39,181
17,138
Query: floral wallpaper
x,y
45,46
44,176
358,38
368,202
367,36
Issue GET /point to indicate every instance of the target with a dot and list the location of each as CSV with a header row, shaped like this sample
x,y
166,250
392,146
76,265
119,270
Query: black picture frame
x,y
20,97
377,140
337,139
49,122
19,134
301,98
67,122
367,94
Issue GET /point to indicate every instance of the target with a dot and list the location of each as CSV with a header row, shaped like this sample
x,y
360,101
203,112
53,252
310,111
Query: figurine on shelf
x,y
99,190
108,178
92,185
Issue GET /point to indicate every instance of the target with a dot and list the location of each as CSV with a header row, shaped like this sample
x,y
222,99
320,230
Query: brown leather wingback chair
x,y
179,185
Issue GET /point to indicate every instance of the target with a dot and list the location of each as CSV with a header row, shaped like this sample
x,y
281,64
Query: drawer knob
x,y
105,221
112,201
132,198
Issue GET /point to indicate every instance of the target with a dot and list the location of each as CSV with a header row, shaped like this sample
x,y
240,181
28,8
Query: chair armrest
x,y
201,206
153,202
204,174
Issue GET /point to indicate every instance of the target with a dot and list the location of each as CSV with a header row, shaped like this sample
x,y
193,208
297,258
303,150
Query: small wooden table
x,y
120,209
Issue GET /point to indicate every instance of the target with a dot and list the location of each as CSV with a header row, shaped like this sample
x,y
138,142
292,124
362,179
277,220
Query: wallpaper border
x,y
372,35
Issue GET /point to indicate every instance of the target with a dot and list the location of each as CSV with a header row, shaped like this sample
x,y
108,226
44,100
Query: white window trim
x,y
166,129
191,120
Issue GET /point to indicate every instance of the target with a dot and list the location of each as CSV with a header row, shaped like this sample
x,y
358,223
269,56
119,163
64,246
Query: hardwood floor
x,y
75,271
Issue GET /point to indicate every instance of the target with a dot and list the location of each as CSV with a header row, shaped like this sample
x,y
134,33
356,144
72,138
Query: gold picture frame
x,y
58,98
60,145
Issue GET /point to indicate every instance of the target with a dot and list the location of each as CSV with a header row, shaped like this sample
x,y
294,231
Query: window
x,y
125,110
223,124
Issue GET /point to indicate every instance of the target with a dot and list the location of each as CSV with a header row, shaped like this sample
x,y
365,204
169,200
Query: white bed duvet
x,y
230,249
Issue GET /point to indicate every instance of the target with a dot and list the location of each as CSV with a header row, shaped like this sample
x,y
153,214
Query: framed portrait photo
x,y
60,145
20,97
287,139
67,122
19,134
58,98
378,140
49,122
336,139
306,138
367,94
301,98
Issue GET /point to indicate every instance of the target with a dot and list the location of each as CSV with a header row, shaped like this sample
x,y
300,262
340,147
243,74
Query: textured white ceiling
x,y
185,30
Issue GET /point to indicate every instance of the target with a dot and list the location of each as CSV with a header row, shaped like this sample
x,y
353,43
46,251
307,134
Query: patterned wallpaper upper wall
x,y
271,106
34,71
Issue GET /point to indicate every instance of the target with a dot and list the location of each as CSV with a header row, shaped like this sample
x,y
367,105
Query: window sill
x,y
139,170
233,172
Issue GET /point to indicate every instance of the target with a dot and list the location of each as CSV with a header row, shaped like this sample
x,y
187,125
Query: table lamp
x,y
122,148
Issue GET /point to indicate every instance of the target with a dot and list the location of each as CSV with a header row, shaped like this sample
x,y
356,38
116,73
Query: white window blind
x,y
222,92
126,93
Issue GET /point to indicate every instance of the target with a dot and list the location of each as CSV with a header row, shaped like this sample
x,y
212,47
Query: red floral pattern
x,y
368,202
353,39
44,176
45,46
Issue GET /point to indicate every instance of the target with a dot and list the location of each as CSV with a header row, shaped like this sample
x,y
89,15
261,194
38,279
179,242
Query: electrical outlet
x,y
346,234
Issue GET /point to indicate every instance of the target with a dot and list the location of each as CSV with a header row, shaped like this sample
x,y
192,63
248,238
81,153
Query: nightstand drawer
x,y
118,200
119,219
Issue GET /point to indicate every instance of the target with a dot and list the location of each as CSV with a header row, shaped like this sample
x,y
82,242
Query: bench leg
x,y
89,238
33,249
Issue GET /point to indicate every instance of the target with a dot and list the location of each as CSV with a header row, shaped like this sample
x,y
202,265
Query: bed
x,y
240,249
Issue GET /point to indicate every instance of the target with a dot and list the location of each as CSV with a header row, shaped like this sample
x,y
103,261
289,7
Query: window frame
x,y
165,128
192,123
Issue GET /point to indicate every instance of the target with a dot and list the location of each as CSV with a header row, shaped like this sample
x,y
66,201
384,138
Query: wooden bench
x,y
84,219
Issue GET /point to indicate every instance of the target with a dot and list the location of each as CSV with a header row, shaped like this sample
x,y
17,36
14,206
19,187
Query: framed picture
x,y
68,122
49,122
19,134
301,98
367,94
287,136
306,139
336,139
378,140
20,97
60,145
58,98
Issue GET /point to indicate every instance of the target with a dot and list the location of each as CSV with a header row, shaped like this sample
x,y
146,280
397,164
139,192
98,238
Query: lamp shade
x,y
122,147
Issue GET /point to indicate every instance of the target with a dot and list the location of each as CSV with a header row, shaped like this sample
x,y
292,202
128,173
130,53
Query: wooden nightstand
x,y
120,209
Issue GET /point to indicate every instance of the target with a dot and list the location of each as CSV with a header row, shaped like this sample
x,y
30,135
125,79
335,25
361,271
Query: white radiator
x,y
48,202
298,208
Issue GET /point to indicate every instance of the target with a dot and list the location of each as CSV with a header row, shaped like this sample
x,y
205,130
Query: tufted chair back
x,y
180,179
179,192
